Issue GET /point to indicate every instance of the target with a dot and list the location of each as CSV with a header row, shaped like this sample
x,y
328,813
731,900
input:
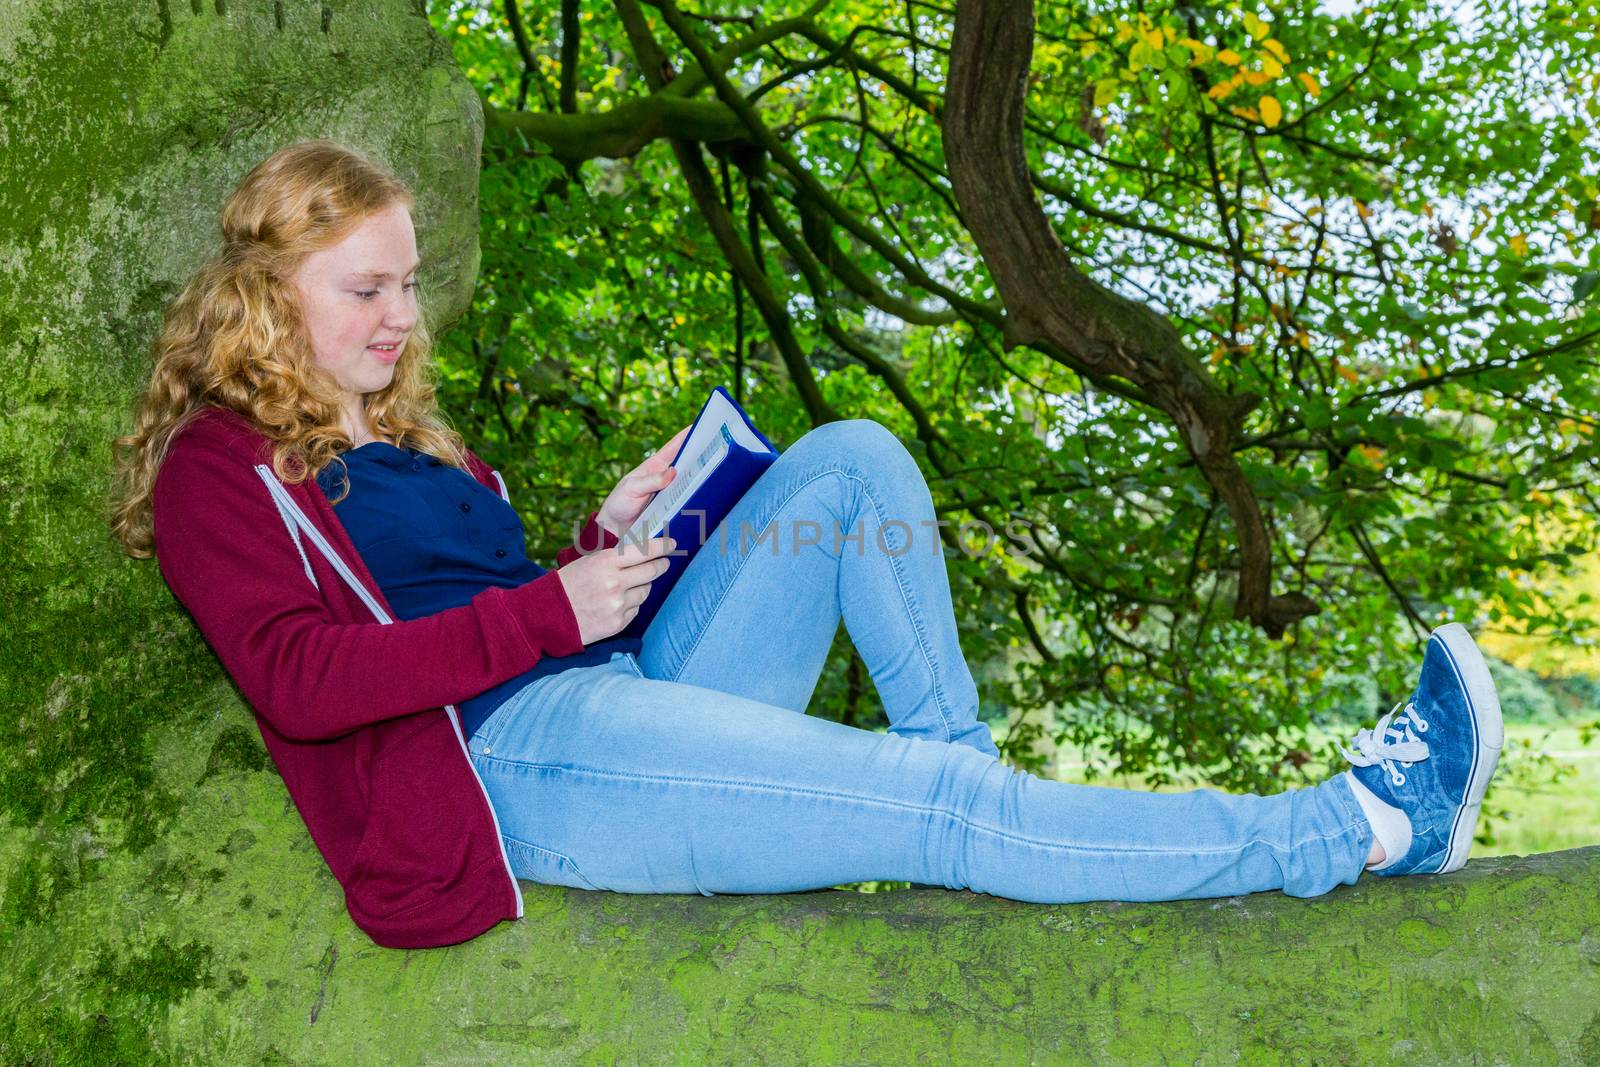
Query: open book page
x,y
690,477
719,425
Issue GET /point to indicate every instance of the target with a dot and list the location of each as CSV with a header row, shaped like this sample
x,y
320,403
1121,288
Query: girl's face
x,y
359,302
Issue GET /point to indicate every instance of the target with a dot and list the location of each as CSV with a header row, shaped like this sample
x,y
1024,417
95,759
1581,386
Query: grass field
x,y
1545,795
1551,803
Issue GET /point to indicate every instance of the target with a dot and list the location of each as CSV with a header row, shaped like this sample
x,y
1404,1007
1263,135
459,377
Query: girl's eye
x,y
368,294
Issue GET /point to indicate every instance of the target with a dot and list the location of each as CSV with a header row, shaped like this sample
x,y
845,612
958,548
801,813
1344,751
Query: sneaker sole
x,y
1489,730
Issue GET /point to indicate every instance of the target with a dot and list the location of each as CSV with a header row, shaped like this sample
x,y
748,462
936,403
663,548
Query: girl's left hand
x,y
627,501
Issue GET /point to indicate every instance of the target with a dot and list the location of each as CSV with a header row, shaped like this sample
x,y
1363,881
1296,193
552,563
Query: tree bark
x,y
1053,306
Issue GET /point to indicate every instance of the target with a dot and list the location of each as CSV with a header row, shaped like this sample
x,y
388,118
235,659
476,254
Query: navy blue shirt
x,y
434,537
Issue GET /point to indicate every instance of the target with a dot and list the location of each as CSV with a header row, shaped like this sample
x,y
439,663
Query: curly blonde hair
x,y
234,336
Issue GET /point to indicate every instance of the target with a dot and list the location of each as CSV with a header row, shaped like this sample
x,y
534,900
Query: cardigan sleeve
x,y
228,557
591,539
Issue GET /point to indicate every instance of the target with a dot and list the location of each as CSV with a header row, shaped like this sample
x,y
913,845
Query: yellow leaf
x,y
1246,113
1483,210
1269,66
1171,33
1089,48
1373,453
1105,91
1363,210
1277,49
1347,374
1230,57
1255,77
1200,51
1311,84
1255,27
1221,89
1154,39
1124,33
1519,245
1271,111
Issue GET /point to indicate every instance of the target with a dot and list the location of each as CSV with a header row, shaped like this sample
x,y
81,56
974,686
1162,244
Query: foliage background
x,y
1382,220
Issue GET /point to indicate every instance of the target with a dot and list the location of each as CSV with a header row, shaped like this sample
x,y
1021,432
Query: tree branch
x,y
1048,300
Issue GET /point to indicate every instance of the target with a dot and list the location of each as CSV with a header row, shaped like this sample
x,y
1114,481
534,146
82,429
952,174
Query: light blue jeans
x,y
694,769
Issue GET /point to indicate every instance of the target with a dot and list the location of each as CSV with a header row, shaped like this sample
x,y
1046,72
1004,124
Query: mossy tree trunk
x,y
123,125
159,897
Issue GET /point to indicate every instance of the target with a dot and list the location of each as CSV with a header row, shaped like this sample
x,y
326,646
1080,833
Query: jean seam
x,y
1352,807
563,857
899,576
631,776
917,625
503,712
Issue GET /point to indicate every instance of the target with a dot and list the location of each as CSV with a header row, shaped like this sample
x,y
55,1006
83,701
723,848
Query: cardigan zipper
x,y
296,521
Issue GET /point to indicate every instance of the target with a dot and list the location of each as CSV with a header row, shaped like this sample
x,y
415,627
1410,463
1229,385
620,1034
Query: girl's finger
x,y
665,452
650,481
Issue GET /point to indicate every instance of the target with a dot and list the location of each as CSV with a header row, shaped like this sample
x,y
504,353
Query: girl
x,y
448,716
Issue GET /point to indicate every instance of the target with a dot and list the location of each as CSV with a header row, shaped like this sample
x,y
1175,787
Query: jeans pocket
x,y
540,865
488,731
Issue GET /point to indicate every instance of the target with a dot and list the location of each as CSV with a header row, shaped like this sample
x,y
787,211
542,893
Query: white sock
x,y
1389,824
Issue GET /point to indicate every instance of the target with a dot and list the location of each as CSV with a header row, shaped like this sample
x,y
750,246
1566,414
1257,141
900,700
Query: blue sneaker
x,y
1434,759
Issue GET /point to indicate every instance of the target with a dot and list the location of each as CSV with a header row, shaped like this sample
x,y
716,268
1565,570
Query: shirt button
x,y
465,507
500,553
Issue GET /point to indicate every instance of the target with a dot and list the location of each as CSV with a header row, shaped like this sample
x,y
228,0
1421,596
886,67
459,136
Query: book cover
x,y
718,462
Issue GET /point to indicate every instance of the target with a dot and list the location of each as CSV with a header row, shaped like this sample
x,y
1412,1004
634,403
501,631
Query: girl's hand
x,y
606,588
627,501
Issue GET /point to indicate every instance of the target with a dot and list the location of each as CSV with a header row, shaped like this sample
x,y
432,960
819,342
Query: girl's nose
x,y
402,313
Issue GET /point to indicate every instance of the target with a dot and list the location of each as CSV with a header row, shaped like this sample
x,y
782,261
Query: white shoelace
x,y
1405,748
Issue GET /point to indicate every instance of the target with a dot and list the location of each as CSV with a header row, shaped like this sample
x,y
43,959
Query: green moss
x,y
125,137
124,125
236,748
162,974
34,885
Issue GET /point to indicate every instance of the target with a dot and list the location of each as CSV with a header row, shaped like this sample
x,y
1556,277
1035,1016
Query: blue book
x,y
719,460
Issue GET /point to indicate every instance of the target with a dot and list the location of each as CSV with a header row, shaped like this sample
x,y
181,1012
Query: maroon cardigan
x,y
358,714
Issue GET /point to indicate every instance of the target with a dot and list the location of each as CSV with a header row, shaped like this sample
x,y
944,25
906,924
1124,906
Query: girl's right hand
x,y
606,588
